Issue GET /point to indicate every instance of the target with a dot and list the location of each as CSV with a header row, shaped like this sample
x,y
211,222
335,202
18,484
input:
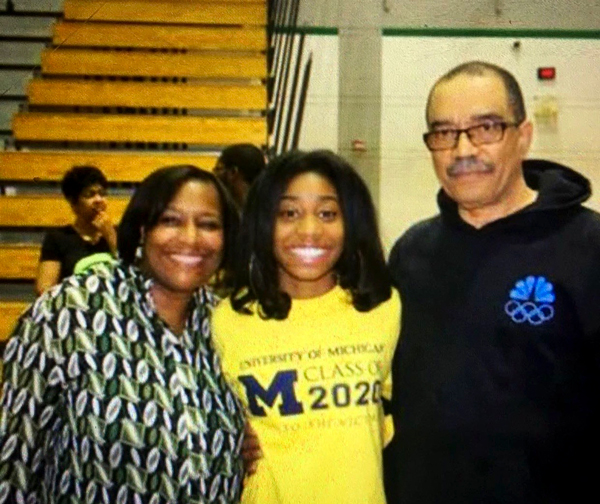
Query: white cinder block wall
x,y
565,35
412,64
320,120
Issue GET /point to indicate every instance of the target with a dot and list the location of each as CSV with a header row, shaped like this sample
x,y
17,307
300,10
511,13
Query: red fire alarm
x,y
546,73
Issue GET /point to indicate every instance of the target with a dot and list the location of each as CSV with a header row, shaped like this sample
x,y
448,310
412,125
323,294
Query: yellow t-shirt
x,y
312,385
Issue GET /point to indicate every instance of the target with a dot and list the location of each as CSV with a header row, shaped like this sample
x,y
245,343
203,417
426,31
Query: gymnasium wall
x,y
565,111
391,52
373,64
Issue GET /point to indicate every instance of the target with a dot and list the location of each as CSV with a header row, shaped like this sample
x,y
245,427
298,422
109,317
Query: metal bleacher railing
x,y
286,88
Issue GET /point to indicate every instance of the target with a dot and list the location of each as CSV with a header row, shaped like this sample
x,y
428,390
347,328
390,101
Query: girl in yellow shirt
x,y
307,337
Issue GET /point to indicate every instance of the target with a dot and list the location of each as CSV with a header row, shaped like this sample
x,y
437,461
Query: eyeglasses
x,y
480,134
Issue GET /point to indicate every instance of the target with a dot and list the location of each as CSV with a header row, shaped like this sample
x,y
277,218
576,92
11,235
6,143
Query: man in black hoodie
x,y
496,379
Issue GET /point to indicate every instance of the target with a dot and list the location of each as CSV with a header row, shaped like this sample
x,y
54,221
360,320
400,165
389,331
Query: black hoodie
x,y
496,379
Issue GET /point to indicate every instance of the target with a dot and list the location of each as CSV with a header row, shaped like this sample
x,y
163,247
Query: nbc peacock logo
x,y
531,301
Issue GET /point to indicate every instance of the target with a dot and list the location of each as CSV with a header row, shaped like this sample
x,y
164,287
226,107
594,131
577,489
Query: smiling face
x,y
483,176
308,236
184,250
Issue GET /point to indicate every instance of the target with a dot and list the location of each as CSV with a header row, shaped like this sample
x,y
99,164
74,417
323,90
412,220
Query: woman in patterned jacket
x,y
113,392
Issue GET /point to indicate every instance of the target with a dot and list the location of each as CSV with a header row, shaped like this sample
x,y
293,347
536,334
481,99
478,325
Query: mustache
x,y
468,165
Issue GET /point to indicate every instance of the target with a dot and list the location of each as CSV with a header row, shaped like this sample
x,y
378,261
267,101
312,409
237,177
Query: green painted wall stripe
x,y
491,32
456,32
308,30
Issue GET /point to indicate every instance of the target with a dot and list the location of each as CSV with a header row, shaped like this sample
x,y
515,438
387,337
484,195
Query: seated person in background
x,y
237,167
84,187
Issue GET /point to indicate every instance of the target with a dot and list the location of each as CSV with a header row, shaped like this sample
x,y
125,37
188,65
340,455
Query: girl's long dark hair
x,y
361,268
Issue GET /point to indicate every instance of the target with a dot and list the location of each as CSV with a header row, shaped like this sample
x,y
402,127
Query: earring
x,y
139,251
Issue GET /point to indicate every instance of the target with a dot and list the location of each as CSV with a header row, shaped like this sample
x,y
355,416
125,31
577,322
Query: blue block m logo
x,y
282,385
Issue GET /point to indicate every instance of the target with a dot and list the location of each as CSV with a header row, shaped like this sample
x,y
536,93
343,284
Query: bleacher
x,y
128,86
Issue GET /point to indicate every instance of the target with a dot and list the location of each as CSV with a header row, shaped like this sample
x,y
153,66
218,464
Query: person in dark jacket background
x,y
496,378
238,167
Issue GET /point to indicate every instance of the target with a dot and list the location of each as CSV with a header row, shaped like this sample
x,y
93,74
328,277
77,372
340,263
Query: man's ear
x,y
525,138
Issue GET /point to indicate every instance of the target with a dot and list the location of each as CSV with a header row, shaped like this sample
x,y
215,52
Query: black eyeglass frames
x,y
478,134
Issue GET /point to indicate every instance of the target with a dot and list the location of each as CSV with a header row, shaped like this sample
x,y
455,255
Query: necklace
x,y
87,237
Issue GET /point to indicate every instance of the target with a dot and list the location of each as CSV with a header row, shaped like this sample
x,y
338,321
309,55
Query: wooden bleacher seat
x,y
84,34
47,211
138,128
244,12
117,166
19,261
92,62
126,74
76,92
9,313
